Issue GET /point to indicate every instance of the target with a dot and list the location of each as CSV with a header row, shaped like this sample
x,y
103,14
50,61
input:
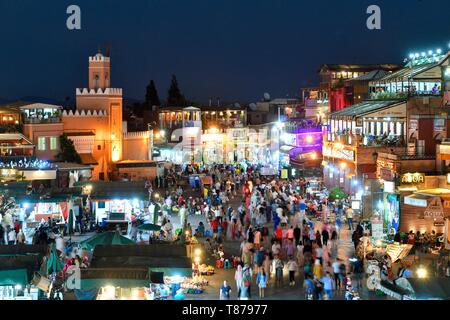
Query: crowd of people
x,y
276,223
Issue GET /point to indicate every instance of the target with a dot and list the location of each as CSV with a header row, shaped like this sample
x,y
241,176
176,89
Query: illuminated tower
x,y
101,97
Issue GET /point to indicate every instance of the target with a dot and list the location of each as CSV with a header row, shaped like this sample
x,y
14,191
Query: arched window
x,y
96,81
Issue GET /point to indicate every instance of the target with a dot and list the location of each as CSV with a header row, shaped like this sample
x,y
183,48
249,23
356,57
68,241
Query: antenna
x,y
108,50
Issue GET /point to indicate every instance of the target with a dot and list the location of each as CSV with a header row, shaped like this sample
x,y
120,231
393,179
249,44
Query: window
x,y
53,143
99,147
42,144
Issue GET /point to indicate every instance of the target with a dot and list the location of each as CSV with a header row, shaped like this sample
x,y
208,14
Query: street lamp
x,y
422,273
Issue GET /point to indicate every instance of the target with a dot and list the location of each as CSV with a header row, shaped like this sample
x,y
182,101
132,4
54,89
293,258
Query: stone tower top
x,y
99,72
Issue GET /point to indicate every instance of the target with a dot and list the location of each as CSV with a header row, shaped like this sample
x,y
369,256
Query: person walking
x,y
12,236
261,280
297,235
325,237
292,268
238,276
327,286
247,274
278,267
350,218
336,274
2,234
317,269
308,284
267,267
225,291
20,237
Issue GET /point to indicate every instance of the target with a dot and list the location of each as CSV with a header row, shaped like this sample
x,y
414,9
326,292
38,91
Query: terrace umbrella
x,y
149,227
107,238
54,264
70,223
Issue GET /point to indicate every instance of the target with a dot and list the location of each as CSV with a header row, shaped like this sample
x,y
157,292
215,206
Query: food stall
x,y
417,288
17,264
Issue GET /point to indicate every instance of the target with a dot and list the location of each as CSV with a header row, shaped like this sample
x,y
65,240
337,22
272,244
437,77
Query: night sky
x,y
233,49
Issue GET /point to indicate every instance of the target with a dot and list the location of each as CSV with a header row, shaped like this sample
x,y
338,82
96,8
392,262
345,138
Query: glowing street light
x,y
422,272
343,165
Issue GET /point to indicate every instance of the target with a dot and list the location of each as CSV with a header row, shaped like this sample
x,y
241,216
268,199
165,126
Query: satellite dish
x,y
253,106
237,105
266,96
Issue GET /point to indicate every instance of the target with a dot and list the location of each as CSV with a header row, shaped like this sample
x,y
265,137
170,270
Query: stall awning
x,y
391,290
286,149
88,284
366,107
173,272
13,277
88,159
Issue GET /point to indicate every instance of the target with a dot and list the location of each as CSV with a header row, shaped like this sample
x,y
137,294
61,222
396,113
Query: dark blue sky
x,y
233,49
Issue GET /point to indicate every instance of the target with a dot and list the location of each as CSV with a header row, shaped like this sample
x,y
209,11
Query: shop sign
x,y
356,205
344,154
435,210
447,204
416,202
377,229
412,178
439,125
385,164
386,174
389,187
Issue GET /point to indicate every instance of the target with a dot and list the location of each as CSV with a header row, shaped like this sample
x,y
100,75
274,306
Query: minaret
x,y
101,97
99,72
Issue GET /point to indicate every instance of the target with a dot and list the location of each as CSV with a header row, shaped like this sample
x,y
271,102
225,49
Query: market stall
x,y
417,288
17,265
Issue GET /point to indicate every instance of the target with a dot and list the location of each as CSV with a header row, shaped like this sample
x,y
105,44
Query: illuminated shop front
x,y
117,209
425,210
14,286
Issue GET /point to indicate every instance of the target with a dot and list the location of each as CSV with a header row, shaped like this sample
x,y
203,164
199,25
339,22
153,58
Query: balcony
x,y
41,119
405,156
370,141
403,95
17,159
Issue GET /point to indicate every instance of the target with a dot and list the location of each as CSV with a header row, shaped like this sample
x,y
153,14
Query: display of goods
x,y
219,264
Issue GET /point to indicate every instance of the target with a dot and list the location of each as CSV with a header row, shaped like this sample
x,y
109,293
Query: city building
x,y
373,149
95,126
339,91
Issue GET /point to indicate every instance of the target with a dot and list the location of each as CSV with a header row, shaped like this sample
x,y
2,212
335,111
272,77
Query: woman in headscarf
x,y
238,278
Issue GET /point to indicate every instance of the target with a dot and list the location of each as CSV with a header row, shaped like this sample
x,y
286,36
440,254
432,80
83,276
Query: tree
x,y
337,194
175,98
151,97
68,152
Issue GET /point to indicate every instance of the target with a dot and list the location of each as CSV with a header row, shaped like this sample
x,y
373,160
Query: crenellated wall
x,y
84,113
99,92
